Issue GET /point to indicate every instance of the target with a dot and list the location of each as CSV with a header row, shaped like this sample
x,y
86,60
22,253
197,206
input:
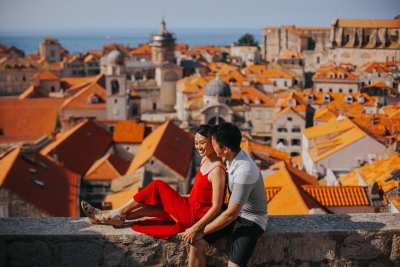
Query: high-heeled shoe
x,y
90,212
116,218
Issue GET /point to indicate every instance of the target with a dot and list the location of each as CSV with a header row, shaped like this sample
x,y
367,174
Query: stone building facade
x,y
361,41
12,205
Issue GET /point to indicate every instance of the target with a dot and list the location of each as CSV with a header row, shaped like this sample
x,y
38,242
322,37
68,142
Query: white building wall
x,y
99,114
336,86
349,156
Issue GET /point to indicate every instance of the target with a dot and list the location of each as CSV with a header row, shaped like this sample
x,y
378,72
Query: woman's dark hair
x,y
227,134
203,130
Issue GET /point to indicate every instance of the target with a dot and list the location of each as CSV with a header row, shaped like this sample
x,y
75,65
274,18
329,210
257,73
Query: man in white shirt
x,y
246,215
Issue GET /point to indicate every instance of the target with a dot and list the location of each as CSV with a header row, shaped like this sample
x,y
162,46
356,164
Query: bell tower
x,y
117,96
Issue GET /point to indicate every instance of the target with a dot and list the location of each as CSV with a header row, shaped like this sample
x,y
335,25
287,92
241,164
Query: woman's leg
x,y
124,209
148,211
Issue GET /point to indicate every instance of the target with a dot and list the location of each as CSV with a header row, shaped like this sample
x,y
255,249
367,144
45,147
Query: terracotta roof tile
x,y
371,67
253,95
378,171
28,119
279,73
108,167
333,73
168,144
33,92
379,84
264,151
98,53
334,196
45,75
291,198
80,147
396,202
129,131
57,197
270,192
82,99
142,50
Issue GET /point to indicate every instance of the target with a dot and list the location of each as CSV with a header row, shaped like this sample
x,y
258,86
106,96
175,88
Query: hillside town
x,y
318,108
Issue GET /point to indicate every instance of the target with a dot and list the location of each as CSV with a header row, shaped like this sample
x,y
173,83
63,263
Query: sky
x,y
39,15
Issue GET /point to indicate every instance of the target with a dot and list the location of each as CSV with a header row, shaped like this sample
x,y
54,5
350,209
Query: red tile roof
x,y
291,198
143,49
170,145
80,147
378,171
371,67
129,132
396,202
28,119
45,75
333,73
261,150
333,196
253,95
108,167
82,99
270,192
33,92
57,197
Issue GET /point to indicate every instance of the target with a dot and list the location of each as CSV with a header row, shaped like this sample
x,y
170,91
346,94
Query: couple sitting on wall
x,y
199,214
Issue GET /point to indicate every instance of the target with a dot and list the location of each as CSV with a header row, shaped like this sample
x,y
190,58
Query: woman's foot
x,y
113,217
90,211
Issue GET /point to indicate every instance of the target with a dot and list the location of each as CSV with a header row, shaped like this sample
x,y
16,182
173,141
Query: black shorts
x,y
245,234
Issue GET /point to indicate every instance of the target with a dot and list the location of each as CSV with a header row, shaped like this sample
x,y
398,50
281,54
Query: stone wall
x,y
313,240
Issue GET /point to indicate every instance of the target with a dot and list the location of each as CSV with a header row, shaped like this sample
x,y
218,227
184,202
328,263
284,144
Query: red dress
x,y
186,211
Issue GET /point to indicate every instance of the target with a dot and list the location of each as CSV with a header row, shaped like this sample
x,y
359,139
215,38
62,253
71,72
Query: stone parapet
x,y
313,240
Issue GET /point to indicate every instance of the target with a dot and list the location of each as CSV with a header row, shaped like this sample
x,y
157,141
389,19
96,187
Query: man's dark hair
x,y
227,134
203,130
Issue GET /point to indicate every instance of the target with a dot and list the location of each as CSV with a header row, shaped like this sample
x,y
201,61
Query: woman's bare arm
x,y
217,177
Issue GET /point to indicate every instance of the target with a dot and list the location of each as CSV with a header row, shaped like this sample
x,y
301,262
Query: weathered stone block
x,y
312,248
144,251
270,248
30,253
3,253
395,253
81,254
362,247
114,255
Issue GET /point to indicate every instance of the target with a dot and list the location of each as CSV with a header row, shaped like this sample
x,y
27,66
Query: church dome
x,y
217,87
162,37
115,57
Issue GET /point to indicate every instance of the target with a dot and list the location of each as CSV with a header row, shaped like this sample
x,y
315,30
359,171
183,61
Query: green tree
x,y
246,40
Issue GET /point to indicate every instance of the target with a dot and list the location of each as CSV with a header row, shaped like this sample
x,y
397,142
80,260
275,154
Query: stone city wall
x,y
313,240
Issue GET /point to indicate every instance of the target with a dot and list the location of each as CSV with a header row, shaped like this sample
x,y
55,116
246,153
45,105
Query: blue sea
x,y
80,40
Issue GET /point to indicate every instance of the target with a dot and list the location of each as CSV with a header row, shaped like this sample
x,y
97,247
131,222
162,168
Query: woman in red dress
x,y
173,212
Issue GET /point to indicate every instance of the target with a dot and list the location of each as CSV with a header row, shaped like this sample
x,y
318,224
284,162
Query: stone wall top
x,y
313,240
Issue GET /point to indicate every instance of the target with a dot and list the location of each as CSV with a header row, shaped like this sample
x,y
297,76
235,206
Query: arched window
x,y
114,87
318,60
